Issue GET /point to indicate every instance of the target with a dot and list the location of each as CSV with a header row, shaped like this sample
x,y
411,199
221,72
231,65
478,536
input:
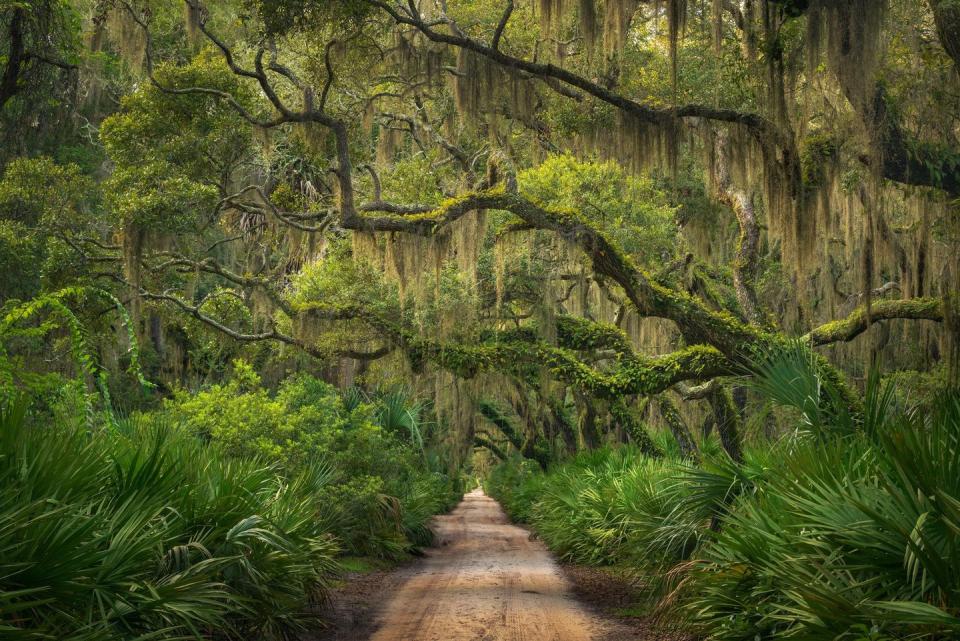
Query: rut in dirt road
x,y
485,581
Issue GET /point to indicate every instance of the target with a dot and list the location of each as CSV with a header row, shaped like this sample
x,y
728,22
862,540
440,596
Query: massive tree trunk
x,y
946,14
16,58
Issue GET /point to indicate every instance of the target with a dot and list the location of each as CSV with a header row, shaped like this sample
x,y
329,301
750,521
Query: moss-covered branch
x,y
727,420
635,428
529,447
747,260
946,15
678,427
698,323
574,332
859,320
499,418
482,441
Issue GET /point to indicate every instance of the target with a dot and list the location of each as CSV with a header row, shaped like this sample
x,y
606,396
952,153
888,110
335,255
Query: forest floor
x,y
485,580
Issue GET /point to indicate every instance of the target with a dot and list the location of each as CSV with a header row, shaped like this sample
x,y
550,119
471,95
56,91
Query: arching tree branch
x,y
272,334
859,320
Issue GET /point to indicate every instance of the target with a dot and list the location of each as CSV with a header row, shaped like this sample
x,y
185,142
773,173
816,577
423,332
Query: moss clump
x,y
583,334
818,150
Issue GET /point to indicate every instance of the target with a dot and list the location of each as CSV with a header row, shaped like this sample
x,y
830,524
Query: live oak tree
x,y
564,219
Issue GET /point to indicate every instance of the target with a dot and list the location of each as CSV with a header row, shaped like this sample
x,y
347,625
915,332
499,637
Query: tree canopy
x,y
590,218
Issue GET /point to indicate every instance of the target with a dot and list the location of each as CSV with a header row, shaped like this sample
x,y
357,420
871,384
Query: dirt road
x,y
485,581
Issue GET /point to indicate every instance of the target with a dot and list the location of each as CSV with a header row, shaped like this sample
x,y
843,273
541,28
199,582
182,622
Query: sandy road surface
x,y
485,581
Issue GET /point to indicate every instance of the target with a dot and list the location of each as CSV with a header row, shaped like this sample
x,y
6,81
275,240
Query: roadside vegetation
x,y
846,528
228,510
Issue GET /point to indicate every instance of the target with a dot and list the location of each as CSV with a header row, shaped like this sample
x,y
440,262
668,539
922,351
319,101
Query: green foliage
x,y
37,191
608,506
848,535
399,414
285,16
209,353
41,202
403,181
230,521
516,484
847,527
19,259
629,209
385,491
35,320
170,149
793,376
156,195
142,531
37,99
344,282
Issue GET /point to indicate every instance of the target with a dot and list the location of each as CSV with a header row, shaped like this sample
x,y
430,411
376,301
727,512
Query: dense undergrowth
x,y
847,529
223,513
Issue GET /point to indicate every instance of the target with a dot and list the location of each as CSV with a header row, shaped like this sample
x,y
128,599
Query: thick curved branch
x,y
394,208
678,427
372,355
328,64
496,416
861,318
698,392
698,323
727,421
634,428
522,354
416,219
946,15
480,441
904,160
574,332
272,334
725,415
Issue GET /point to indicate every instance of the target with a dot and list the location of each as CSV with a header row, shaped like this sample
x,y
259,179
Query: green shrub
x,y
383,491
848,529
851,534
142,530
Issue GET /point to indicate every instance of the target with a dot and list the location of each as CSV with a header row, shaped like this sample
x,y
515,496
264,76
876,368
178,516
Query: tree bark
x,y
16,57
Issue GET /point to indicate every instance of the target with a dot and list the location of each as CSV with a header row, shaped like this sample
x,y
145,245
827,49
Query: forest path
x,y
484,581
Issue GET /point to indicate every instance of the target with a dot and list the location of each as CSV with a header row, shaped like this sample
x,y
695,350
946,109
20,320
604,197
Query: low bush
x,y
223,514
829,534
137,531
387,480
848,537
